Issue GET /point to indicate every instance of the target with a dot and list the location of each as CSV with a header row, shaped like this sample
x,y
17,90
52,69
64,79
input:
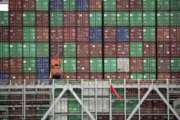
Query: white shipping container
x,y
90,104
123,64
92,92
103,105
61,106
60,117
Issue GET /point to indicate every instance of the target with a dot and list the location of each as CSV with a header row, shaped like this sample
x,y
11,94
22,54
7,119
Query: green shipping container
x,y
175,5
136,49
130,105
122,18
42,4
117,106
96,65
16,49
149,34
74,106
136,18
163,4
109,5
42,110
149,65
42,49
29,50
136,76
29,34
95,19
69,50
4,49
110,65
110,19
69,5
69,65
149,76
29,18
149,18
4,18
74,117
175,18
175,65
149,4
56,19
29,65
163,18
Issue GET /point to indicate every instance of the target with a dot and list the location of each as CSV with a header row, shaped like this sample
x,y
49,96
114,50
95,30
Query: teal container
x,y
149,65
42,49
136,49
149,76
74,106
29,65
42,5
175,65
4,18
74,117
29,49
149,18
109,5
96,64
136,76
29,18
56,19
69,65
163,4
136,18
4,49
163,18
29,34
149,34
175,5
122,18
95,19
175,18
16,49
69,50
69,5
110,65
149,4
110,19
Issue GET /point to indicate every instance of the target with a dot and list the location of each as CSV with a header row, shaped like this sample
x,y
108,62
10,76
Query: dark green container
x,y
163,18
149,33
56,19
122,18
149,65
96,64
175,65
110,19
175,5
29,65
29,18
163,4
95,19
149,4
42,4
42,49
149,18
29,50
110,65
42,110
29,34
149,76
16,49
136,76
69,5
175,18
73,106
109,5
69,50
69,65
130,105
136,49
4,18
4,49
117,106
74,117
136,18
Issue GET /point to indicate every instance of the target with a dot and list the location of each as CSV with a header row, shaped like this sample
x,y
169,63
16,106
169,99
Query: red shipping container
x,y
15,18
42,19
95,4
69,75
4,34
122,75
175,34
83,65
29,4
122,5
110,50
16,65
175,49
83,76
82,34
163,34
176,76
163,76
95,49
149,49
42,34
69,19
110,34
163,48
163,65
82,49
110,76
57,49
136,34
15,5
15,34
56,34
136,64
123,49
96,76
4,66
135,4
82,18
69,34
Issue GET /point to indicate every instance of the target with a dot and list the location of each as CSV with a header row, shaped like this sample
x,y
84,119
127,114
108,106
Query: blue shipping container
x,y
42,65
122,34
4,76
56,5
82,5
42,76
95,34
